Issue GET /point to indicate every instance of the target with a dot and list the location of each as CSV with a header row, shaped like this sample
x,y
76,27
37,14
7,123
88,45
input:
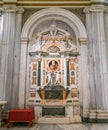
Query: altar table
x,y
21,115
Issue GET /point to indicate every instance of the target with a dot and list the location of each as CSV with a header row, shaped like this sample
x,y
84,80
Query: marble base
x,y
2,103
59,120
56,111
1,111
77,119
54,120
94,115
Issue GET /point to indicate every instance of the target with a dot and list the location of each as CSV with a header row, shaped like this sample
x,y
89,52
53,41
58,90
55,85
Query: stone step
x,y
59,119
54,120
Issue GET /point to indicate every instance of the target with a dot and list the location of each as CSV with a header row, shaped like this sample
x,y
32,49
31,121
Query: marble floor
x,y
81,126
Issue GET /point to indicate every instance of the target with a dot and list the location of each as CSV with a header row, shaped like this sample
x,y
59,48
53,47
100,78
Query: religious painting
x,y
53,65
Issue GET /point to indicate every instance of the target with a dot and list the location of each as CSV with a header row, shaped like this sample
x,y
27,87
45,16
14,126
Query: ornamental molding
x,y
106,11
60,14
12,9
82,41
96,9
24,40
47,3
21,10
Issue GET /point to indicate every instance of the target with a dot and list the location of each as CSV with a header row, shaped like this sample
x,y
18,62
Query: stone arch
x,y
62,14
75,23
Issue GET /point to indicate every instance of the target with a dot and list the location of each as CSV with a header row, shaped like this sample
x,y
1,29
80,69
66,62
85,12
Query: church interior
x,y
54,64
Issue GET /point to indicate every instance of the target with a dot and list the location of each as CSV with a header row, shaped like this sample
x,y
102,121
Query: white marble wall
x,y
84,78
106,34
1,25
16,64
1,29
23,73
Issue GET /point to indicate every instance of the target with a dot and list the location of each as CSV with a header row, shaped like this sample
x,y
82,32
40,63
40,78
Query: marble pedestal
x,y
2,103
71,114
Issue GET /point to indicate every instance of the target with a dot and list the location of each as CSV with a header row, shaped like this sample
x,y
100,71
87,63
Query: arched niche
x,y
79,31
64,15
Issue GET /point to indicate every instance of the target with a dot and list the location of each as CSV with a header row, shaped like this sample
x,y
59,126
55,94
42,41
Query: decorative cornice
x,y
12,9
24,40
96,9
51,3
82,41
9,1
21,10
106,11
98,1
47,3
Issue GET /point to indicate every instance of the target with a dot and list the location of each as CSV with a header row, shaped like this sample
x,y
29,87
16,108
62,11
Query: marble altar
x,y
56,108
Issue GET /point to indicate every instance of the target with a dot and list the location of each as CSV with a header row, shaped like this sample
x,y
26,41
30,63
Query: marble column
x,y
39,73
23,72
84,77
98,71
106,46
68,72
65,73
91,70
17,50
106,33
11,32
1,24
1,30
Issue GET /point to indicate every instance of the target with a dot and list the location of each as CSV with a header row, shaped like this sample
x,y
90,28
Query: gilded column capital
x,y
12,9
95,9
82,41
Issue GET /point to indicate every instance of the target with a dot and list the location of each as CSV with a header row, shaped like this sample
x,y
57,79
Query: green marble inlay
x,y
53,111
